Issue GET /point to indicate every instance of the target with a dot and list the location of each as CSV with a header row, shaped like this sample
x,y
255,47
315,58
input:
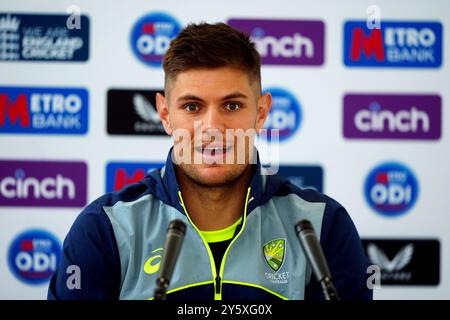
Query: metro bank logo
x,y
43,183
285,42
121,174
43,110
404,44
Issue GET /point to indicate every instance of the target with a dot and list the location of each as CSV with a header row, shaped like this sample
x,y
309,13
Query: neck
x,y
214,208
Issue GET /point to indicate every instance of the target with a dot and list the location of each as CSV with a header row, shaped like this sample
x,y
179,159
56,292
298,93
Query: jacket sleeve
x,y
91,247
346,259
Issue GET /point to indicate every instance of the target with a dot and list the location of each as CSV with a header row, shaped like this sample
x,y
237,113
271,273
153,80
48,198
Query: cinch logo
x,y
121,174
285,114
378,116
33,256
43,110
151,36
304,176
397,44
391,189
43,37
43,183
133,112
285,42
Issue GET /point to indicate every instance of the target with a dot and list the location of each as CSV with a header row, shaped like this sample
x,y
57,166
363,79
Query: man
x,y
240,240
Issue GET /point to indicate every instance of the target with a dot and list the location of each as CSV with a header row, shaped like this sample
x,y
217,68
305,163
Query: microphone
x,y
313,251
172,247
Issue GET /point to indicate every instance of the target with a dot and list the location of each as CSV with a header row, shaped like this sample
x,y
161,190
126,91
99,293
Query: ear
x,y
264,105
163,110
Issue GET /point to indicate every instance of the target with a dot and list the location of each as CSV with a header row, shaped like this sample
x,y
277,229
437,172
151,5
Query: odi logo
x,y
391,189
406,44
33,256
151,36
285,114
121,174
43,110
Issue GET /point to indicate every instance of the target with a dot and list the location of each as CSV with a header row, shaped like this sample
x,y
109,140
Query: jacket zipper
x,y
218,285
210,256
217,277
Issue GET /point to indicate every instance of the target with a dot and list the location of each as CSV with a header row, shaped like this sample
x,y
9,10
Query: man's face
x,y
210,105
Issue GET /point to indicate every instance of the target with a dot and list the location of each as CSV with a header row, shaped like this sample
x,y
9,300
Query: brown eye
x,y
233,106
191,107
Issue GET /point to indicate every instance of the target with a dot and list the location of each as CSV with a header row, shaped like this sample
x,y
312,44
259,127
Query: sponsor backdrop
x,y
361,105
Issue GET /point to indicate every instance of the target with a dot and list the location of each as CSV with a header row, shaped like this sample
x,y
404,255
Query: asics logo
x,y
151,266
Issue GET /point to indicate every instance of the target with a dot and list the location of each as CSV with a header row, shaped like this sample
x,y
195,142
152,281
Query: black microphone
x,y
313,251
172,247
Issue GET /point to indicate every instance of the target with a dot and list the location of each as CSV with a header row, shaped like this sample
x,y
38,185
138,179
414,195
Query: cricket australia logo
x,y
274,253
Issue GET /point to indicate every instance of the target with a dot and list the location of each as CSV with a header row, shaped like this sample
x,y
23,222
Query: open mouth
x,y
212,151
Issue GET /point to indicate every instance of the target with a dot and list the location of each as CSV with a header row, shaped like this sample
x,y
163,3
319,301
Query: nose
x,y
213,120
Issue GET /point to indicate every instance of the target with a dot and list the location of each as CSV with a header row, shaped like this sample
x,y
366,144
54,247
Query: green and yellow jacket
x,y
117,243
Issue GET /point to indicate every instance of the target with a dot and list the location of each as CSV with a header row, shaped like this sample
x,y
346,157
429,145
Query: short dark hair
x,y
217,45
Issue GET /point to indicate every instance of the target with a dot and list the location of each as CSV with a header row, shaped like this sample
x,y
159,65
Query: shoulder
x,y
94,217
334,213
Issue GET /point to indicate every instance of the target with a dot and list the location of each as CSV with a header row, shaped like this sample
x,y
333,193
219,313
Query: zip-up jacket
x,y
116,245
